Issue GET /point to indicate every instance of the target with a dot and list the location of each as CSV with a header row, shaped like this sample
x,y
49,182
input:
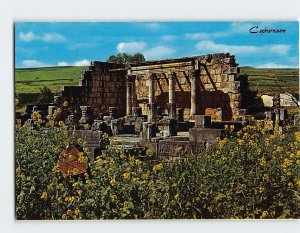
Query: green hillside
x,y
30,80
264,80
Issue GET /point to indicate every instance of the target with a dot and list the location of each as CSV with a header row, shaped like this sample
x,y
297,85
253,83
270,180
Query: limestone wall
x,y
99,89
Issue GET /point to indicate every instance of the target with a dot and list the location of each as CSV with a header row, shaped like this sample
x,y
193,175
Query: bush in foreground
x,y
253,175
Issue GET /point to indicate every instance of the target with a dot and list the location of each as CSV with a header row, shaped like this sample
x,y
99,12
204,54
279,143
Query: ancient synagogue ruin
x,y
174,107
205,85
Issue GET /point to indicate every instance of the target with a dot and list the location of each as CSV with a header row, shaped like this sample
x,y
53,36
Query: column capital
x,y
194,73
129,78
152,76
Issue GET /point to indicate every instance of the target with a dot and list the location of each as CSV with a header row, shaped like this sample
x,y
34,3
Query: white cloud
x,y
209,46
158,52
197,36
47,37
280,49
82,63
274,65
53,37
168,37
33,64
62,63
131,47
153,26
29,36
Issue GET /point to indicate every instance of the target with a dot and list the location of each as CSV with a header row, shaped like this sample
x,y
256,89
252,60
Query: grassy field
x,y
264,80
261,80
30,80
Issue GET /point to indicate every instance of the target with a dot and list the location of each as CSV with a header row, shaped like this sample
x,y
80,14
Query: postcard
x,y
157,120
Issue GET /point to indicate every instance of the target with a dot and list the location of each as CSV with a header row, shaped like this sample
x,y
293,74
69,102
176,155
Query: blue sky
x,y
61,44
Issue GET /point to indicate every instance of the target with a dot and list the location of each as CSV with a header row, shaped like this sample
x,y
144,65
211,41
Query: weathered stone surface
x,y
149,131
267,100
167,127
205,135
202,121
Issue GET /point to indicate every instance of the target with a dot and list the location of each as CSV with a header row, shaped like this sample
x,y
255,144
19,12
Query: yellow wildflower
x,y
262,161
61,123
158,167
86,126
75,184
298,183
44,195
265,177
65,103
125,204
114,198
286,163
88,182
77,211
79,192
69,212
240,141
113,182
262,190
126,175
64,217
264,214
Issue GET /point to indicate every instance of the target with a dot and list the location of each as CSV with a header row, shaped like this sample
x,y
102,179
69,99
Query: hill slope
x,y
30,80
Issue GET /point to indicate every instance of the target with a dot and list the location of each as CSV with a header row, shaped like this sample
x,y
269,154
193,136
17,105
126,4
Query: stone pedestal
x,y
202,121
201,135
117,126
149,131
168,127
50,112
138,126
86,115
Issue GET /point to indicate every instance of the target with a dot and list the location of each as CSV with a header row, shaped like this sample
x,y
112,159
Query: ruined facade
x,y
205,85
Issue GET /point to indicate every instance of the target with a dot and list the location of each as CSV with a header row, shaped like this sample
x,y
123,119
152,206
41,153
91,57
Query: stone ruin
x,y
175,107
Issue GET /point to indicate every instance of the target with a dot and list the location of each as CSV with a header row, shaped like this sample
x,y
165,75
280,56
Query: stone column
x,y
172,104
194,81
152,106
129,98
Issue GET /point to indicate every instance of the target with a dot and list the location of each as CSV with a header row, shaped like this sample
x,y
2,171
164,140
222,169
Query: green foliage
x,y
123,58
253,175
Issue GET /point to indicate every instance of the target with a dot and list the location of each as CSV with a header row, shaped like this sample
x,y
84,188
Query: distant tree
x,y
124,58
45,95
